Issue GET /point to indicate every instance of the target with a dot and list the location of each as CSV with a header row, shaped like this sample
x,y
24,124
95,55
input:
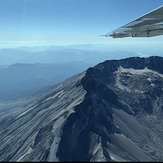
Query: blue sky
x,y
69,21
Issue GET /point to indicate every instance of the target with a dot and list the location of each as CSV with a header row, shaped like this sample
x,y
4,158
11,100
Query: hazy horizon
x,y
37,30
88,53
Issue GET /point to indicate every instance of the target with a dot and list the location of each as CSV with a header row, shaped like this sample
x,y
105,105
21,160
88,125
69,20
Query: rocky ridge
x,y
110,112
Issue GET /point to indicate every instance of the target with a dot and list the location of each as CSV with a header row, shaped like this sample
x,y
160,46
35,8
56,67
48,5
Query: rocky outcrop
x,y
110,112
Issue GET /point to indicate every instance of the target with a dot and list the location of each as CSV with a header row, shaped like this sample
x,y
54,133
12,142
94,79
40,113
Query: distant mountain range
x,y
90,54
110,112
20,79
26,70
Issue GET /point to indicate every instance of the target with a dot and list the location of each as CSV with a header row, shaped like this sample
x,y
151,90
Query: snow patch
x,y
26,111
58,87
138,71
28,152
59,94
149,79
115,157
130,72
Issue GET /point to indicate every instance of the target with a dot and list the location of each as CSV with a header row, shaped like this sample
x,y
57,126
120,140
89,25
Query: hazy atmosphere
x,y
43,42
50,25
64,37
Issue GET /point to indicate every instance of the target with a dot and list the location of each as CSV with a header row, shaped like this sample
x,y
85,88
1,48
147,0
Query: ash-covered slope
x,y
111,112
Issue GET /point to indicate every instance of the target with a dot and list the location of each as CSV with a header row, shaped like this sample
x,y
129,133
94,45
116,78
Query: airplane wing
x,y
148,25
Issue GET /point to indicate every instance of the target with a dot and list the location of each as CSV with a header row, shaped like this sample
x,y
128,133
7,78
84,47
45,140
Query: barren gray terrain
x,y
110,112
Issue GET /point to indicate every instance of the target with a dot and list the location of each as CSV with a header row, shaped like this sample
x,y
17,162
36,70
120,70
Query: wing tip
x,y
105,35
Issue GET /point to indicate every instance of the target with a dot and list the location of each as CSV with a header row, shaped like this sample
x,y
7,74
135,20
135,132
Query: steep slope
x,y
111,112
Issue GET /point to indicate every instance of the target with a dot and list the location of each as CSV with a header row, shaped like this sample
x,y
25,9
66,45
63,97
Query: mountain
x,y
110,112
57,54
21,79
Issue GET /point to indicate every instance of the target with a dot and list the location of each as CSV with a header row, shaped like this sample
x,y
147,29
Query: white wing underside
x,y
148,25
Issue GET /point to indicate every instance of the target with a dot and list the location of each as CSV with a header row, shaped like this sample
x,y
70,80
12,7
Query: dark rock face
x,y
111,112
